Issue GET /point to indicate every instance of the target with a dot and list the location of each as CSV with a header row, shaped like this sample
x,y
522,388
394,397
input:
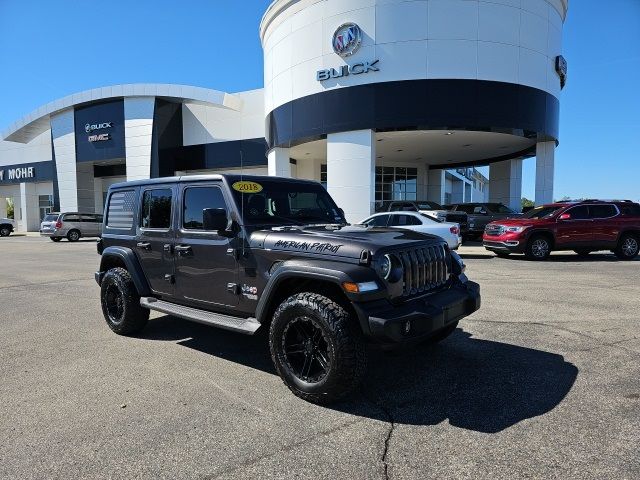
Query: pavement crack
x,y
386,413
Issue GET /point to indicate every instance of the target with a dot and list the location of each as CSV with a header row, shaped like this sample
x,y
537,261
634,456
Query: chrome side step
x,y
237,324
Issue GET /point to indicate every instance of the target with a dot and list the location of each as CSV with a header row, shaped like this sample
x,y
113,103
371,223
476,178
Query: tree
x,y
10,208
527,203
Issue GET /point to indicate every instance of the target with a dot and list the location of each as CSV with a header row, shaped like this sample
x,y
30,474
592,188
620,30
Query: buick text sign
x,y
100,131
346,70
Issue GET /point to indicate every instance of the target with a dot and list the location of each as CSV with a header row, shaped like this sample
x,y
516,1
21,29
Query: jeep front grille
x,y
494,230
424,268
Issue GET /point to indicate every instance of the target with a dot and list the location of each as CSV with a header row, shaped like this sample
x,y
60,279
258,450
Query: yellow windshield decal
x,y
247,187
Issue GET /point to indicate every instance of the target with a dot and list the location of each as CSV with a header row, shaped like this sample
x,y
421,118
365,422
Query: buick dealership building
x,y
377,99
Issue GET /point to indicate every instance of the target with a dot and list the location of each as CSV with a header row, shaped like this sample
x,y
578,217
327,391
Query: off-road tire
x,y
442,334
5,231
583,252
535,251
55,239
73,235
628,247
121,303
346,353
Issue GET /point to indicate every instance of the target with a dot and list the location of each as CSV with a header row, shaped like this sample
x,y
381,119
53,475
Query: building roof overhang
x,y
37,122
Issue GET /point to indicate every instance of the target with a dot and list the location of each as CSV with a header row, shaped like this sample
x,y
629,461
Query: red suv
x,y
583,227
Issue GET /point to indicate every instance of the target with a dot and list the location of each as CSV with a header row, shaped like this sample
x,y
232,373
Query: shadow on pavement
x,y
475,384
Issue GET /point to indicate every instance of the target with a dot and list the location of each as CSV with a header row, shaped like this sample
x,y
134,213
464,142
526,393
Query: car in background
x,y
582,226
481,214
418,222
7,226
427,207
71,225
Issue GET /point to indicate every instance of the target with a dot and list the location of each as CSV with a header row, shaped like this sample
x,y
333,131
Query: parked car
x,y
244,253
7,226
584,227
418,222
427,207
71,225
481,214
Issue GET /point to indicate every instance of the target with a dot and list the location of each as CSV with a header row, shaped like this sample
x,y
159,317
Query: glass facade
x,y
396,183
45,204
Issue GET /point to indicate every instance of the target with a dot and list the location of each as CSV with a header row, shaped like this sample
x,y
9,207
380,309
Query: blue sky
x,y
49,49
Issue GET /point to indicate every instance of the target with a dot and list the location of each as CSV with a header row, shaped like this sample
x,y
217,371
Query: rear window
x,y
631,209
156,208
120,209
50,218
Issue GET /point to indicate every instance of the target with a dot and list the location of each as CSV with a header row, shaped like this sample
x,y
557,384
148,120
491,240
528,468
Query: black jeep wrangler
x,y
241,253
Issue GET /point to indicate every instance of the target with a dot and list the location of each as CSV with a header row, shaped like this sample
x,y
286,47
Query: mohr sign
x,y
17,173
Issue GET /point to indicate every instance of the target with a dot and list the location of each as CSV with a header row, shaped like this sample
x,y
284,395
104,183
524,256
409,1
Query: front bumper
x,y
424,316
511,246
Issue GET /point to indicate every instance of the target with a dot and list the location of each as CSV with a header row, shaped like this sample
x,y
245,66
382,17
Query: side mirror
x,y
565,216
215,219
483,211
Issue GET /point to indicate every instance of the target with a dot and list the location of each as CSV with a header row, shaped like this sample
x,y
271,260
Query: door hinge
x,y
233,288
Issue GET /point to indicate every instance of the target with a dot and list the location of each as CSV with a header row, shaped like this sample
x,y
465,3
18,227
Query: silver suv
x,y
71,226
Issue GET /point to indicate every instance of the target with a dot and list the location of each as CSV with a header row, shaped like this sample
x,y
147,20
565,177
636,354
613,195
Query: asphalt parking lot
x,y
542,382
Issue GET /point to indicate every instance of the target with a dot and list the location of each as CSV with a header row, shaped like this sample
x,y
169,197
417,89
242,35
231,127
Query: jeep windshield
x,y
287,203
541,212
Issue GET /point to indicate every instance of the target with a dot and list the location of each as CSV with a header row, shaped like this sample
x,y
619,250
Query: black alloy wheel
x,y
306,350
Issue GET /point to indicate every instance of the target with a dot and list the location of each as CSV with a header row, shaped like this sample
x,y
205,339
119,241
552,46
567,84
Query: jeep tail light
x,y
58,224
454,230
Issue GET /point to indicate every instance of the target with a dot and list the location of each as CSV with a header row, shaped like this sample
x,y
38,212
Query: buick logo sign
x,y
347,39
97,126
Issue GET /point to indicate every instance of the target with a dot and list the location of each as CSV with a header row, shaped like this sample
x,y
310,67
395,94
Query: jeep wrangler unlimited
x,y
244,253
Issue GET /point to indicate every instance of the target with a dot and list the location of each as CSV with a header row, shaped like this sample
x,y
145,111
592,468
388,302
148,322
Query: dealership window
x,y
323,175
396,183
196,200
45,204
156,208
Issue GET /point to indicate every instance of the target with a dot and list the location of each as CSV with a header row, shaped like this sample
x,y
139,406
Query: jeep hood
x,y
348,241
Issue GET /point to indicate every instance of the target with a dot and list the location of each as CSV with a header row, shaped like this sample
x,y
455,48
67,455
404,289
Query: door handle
x,y
144,245
183,250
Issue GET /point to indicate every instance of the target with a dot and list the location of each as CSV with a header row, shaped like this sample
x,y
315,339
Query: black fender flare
x,y
132,265
323,270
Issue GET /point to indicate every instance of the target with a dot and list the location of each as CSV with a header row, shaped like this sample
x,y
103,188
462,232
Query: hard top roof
x,y
230,178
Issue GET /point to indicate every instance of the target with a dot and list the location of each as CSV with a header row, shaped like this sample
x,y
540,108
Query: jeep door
x,y
154,241
577,230
205,261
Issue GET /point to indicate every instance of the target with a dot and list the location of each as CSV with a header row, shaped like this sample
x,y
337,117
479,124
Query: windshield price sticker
x,y
247,187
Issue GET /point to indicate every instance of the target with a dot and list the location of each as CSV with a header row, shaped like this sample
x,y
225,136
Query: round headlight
x,y
385,266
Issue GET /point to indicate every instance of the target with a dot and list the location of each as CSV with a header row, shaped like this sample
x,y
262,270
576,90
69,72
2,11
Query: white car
x,y
418,222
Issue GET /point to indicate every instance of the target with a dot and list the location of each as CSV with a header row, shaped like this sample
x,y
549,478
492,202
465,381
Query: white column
x,y
351,167
278,162
3,205
30,220
435,187
138,132
545,164
64,147
505,183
